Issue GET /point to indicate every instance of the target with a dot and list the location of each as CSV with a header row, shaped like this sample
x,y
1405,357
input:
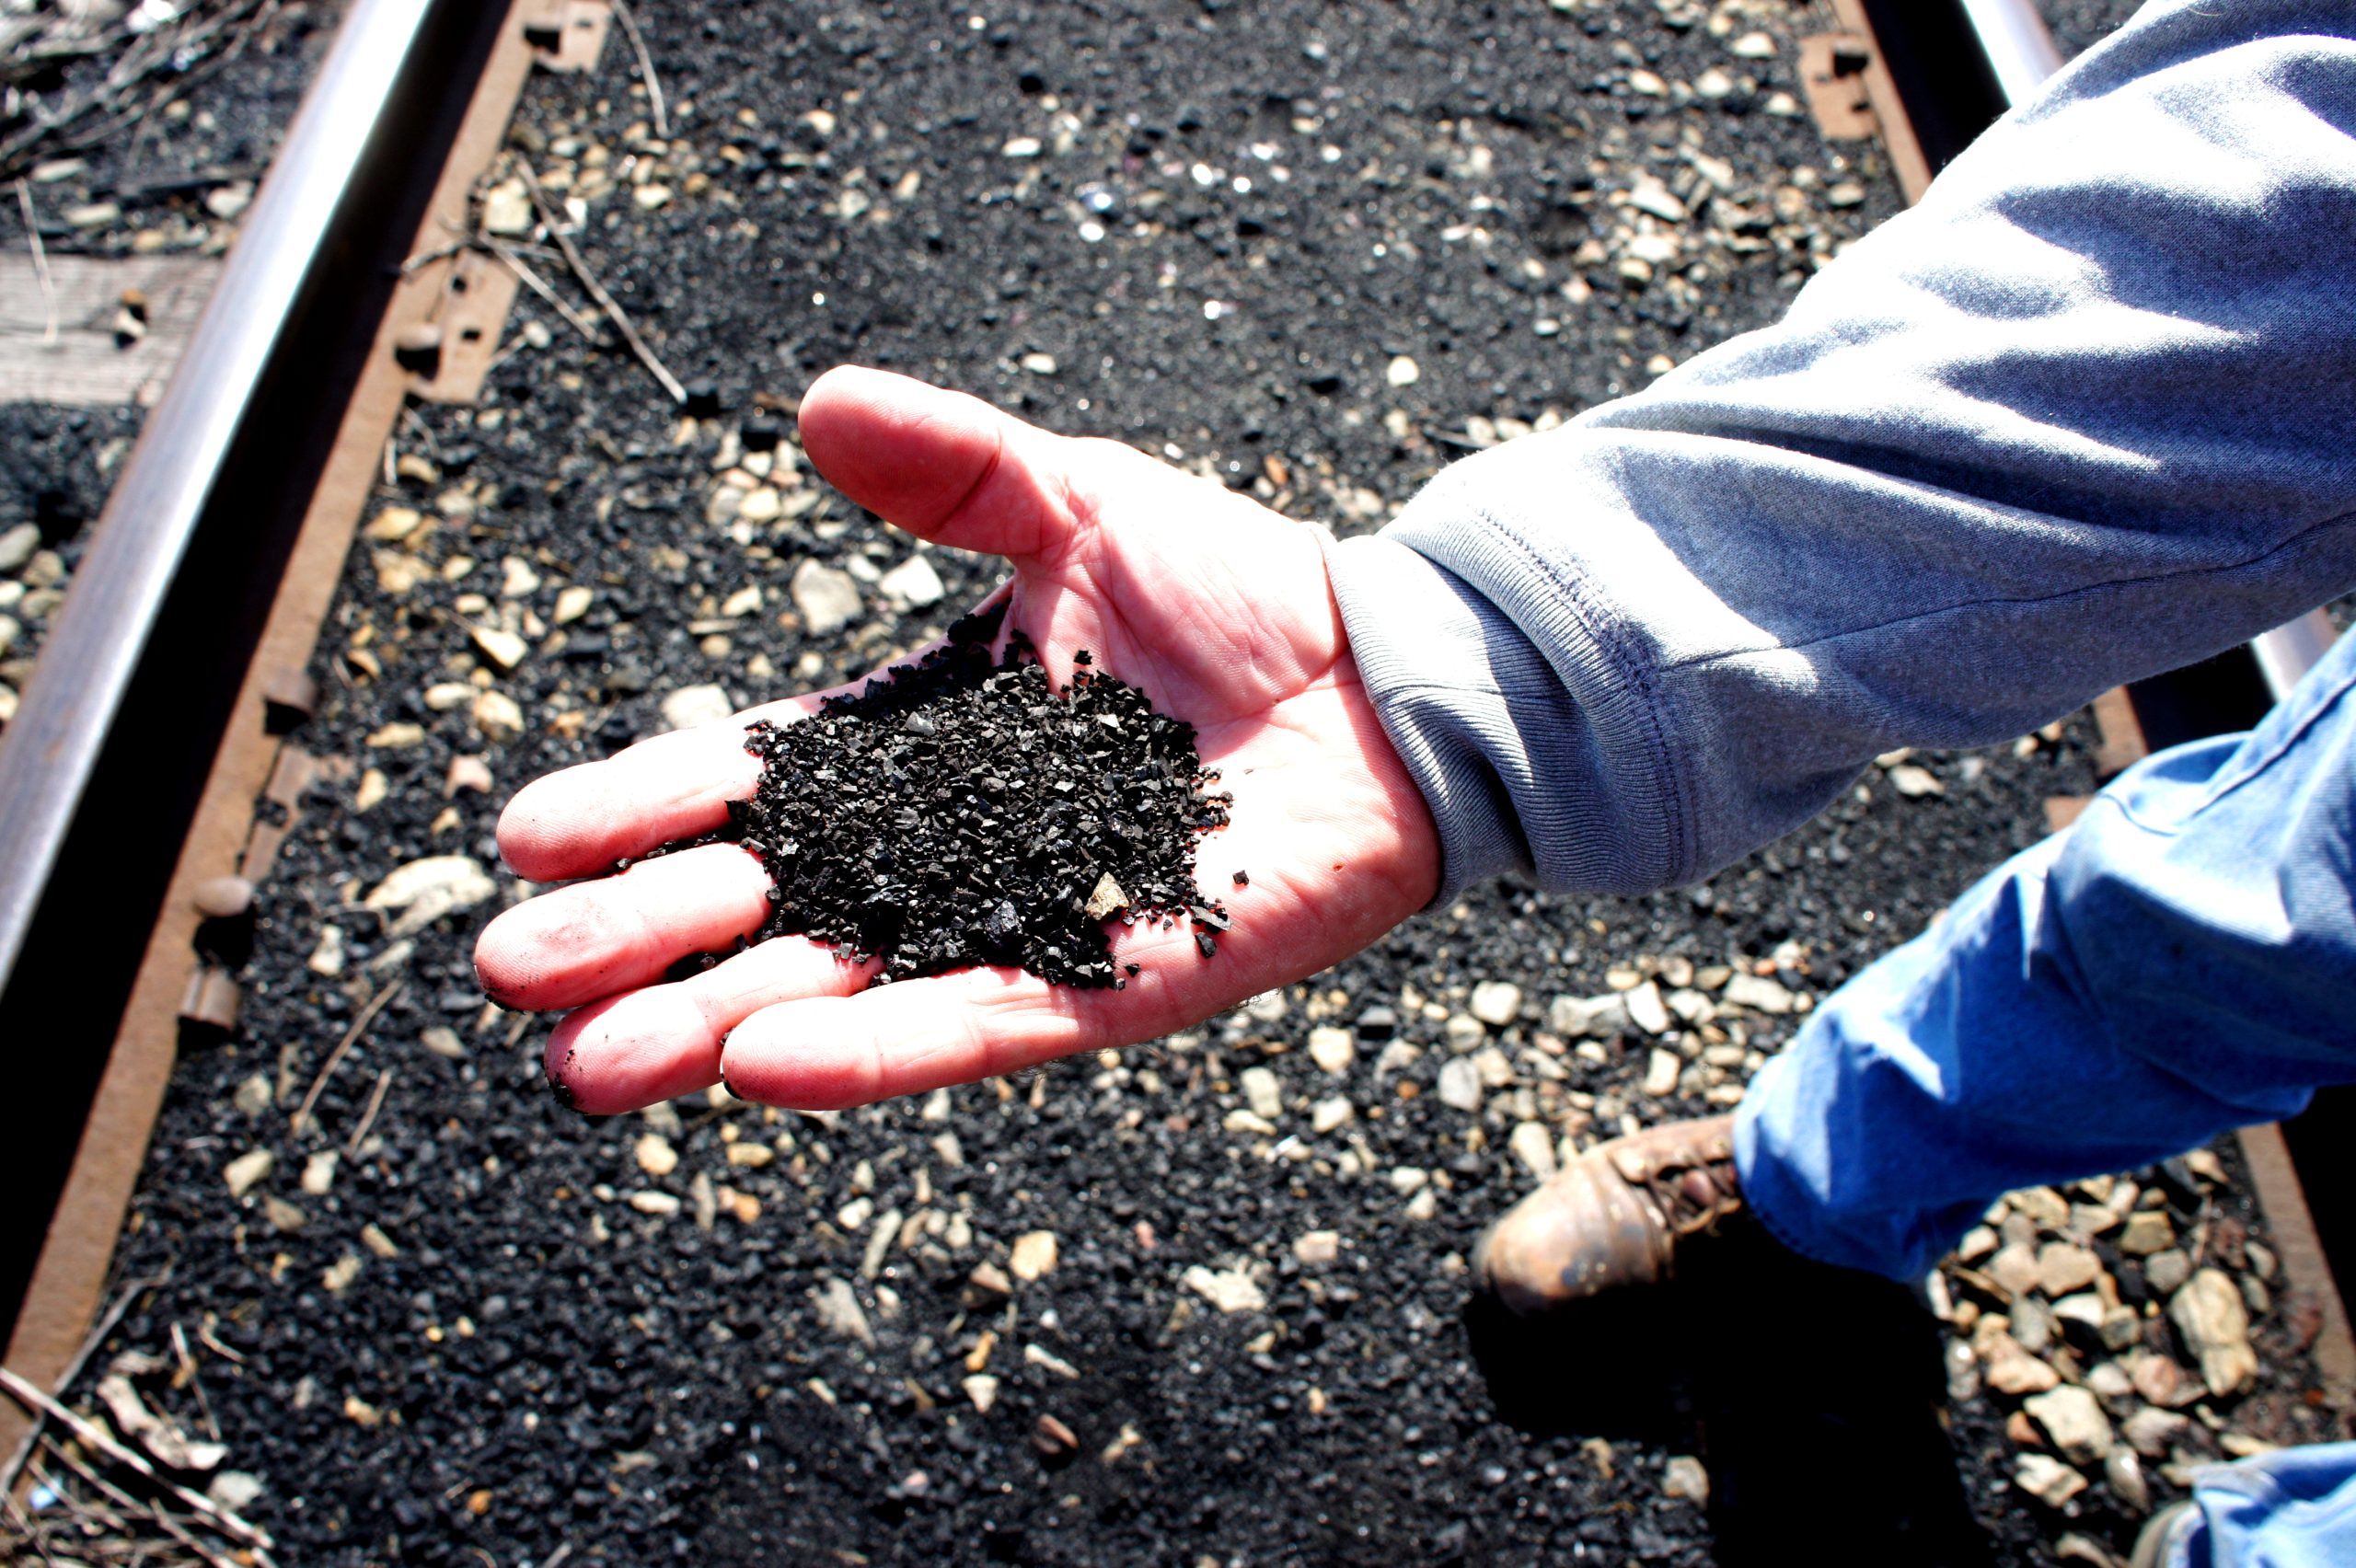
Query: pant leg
x,y
2178,963
2291,1509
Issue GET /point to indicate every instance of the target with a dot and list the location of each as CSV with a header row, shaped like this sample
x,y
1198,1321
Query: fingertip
x,y
507,958
942,464
629,1052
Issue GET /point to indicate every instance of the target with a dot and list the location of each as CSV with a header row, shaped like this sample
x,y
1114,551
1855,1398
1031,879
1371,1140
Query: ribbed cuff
x,y
1516,700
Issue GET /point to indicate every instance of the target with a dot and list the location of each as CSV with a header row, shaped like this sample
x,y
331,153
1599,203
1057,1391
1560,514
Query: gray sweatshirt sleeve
x,y
2086,413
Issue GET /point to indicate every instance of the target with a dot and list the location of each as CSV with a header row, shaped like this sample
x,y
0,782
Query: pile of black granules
x,y
963,812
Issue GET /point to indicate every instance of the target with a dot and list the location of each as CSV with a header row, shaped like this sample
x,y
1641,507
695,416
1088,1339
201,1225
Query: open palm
x,y
1217,607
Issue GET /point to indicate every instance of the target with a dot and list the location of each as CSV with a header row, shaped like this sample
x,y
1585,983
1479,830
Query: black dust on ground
x,y
766,1339
963,811
134,138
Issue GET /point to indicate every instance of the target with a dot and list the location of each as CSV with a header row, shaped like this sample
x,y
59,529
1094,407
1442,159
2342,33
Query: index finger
x,y
578,822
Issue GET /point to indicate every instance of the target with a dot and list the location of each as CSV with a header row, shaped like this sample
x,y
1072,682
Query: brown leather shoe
x,y
1612,1217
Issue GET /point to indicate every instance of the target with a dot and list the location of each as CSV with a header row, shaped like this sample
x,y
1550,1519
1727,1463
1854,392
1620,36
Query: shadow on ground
x,y
1813,1394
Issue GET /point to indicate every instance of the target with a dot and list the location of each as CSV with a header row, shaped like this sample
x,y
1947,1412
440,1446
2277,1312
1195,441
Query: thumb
x,y
941,465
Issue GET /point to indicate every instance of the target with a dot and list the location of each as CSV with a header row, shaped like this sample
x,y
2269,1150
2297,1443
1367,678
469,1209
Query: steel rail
x,y
50,751
2020,50
146,732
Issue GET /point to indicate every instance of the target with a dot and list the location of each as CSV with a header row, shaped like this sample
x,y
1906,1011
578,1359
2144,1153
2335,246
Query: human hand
x,y
1218,608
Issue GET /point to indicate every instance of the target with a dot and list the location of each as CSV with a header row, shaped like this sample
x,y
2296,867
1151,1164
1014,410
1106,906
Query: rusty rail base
x,y
69,1279
2312,1291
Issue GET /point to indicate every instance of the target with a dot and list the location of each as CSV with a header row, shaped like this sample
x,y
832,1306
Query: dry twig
x,y
16,1517
139,1510
645,67
368,1117
539,285
195,1381
597,291
96,1337
171,53
41,259
205,1337
220,1519
335,1057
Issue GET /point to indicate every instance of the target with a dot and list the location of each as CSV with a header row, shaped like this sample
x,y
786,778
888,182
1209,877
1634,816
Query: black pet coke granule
x,y
961,811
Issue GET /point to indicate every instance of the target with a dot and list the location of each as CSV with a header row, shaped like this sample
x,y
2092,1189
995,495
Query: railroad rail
x,y
171,691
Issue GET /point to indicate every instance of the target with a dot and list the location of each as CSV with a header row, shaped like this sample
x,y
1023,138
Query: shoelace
x,y
1691,1198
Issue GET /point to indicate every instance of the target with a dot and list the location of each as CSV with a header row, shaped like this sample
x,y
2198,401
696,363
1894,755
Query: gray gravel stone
x,y
2208,1313
1460,1085
690,706
1497,1002
828,600
2073,1420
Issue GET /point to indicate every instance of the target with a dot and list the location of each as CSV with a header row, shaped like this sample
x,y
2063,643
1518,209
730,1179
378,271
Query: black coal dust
x,y
964,812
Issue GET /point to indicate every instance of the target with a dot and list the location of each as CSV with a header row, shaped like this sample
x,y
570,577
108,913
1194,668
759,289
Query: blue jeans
x,y
2176,964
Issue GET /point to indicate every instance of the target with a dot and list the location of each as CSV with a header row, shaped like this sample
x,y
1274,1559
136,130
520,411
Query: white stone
x,y
1497,1002
507,209
839,1309
242,1173
1574,1017
1318,1248
1034,1255
913,583
827,599
1662,1072
1460,1085
498,715
1651,196
2073,1418
1229,1290
1334,1111
1333,1050
2047,1479
17,545
2151,1431
1402,372
1645,1009
690,706
1756,992
1534,1147
2208,1311
1685,1477
425,890
1915,782
1263,1093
